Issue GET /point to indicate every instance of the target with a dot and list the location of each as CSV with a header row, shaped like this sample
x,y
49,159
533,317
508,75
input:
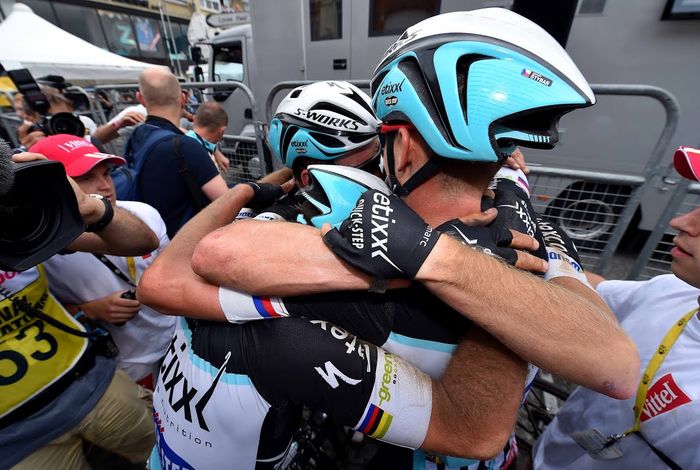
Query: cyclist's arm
x,y
225,256
315,363
546,325
169,285
572,335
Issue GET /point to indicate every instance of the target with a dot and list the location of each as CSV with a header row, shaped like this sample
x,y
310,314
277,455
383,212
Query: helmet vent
x,y
411,69
463,65
295,93
287,136
334,108
376,81
326,140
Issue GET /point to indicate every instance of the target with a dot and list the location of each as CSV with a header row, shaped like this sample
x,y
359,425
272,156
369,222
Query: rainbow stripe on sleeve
x,y
269,308
376,422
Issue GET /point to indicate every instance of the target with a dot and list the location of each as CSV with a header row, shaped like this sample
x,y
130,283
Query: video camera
x,y
59,123
38,209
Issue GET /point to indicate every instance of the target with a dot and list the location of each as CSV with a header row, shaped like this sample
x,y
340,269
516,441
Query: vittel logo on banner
x,y
663,396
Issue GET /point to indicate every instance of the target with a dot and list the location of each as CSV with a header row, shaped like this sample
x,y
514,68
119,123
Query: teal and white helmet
x,y
477,83
324,121
333,192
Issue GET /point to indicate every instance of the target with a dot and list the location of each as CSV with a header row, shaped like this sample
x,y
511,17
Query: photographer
x,y
102,287
58,384
82,126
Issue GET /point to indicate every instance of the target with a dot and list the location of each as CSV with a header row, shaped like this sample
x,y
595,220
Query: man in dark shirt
x,y
161,182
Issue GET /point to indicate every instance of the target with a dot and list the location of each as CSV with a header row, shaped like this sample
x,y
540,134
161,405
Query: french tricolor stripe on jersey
x,y
523,182
269,307
376,422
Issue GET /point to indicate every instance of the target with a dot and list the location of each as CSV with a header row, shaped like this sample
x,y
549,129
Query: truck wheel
x,y
588,212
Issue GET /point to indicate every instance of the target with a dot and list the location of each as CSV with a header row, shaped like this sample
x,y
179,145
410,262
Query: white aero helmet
x,y
323,120
475,84
333,192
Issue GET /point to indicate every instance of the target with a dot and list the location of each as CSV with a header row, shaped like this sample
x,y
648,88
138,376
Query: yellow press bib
x,y
33,353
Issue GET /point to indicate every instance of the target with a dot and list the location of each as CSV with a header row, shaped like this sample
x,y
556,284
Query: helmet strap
x,y
430,169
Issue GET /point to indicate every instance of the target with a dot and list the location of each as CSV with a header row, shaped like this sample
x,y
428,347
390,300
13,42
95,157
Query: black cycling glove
x,y
286,207
490,240
265,195
515,212
383,237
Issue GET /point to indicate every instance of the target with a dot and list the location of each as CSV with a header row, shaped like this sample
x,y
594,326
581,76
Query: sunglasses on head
x,y
386,128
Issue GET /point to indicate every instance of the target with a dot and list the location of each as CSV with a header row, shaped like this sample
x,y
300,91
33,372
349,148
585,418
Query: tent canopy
x,y
46,49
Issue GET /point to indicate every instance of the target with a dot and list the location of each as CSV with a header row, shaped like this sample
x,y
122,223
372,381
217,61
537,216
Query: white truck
x,y
613,42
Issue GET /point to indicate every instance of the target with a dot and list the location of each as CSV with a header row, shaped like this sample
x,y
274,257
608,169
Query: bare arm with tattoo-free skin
x,y
546,326
169,285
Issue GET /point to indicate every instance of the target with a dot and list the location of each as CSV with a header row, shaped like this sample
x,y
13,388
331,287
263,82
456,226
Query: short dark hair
x,y
211,115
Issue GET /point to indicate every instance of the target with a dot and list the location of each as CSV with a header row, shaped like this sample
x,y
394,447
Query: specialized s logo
x,y
527,73
381,210
663,396
331,374
401,41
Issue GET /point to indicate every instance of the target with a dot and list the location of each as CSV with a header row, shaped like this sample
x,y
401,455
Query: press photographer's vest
x,y
34,355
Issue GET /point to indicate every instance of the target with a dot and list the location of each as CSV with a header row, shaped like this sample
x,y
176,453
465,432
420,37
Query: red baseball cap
x,y
687,162
77,154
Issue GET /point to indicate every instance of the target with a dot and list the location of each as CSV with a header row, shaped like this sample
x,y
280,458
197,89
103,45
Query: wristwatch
x,y
106,217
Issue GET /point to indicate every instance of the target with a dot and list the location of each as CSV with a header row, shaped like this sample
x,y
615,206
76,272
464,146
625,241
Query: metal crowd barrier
x,y
246,153
654,258
245,162
587,205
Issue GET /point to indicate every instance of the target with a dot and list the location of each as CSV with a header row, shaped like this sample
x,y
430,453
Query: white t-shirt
x,y
90,126
138,108
671,417
81,277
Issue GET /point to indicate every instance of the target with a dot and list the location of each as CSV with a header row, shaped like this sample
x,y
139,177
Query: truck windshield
x,y
228,63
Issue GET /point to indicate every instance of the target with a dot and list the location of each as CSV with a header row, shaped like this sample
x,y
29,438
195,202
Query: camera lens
x,y
66,123
30,220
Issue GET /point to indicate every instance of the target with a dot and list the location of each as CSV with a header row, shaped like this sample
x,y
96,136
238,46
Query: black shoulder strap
x,y
112,267
21,304
200,199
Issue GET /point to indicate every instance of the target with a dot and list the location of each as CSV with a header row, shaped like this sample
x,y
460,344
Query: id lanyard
x,y
653,366
132,269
